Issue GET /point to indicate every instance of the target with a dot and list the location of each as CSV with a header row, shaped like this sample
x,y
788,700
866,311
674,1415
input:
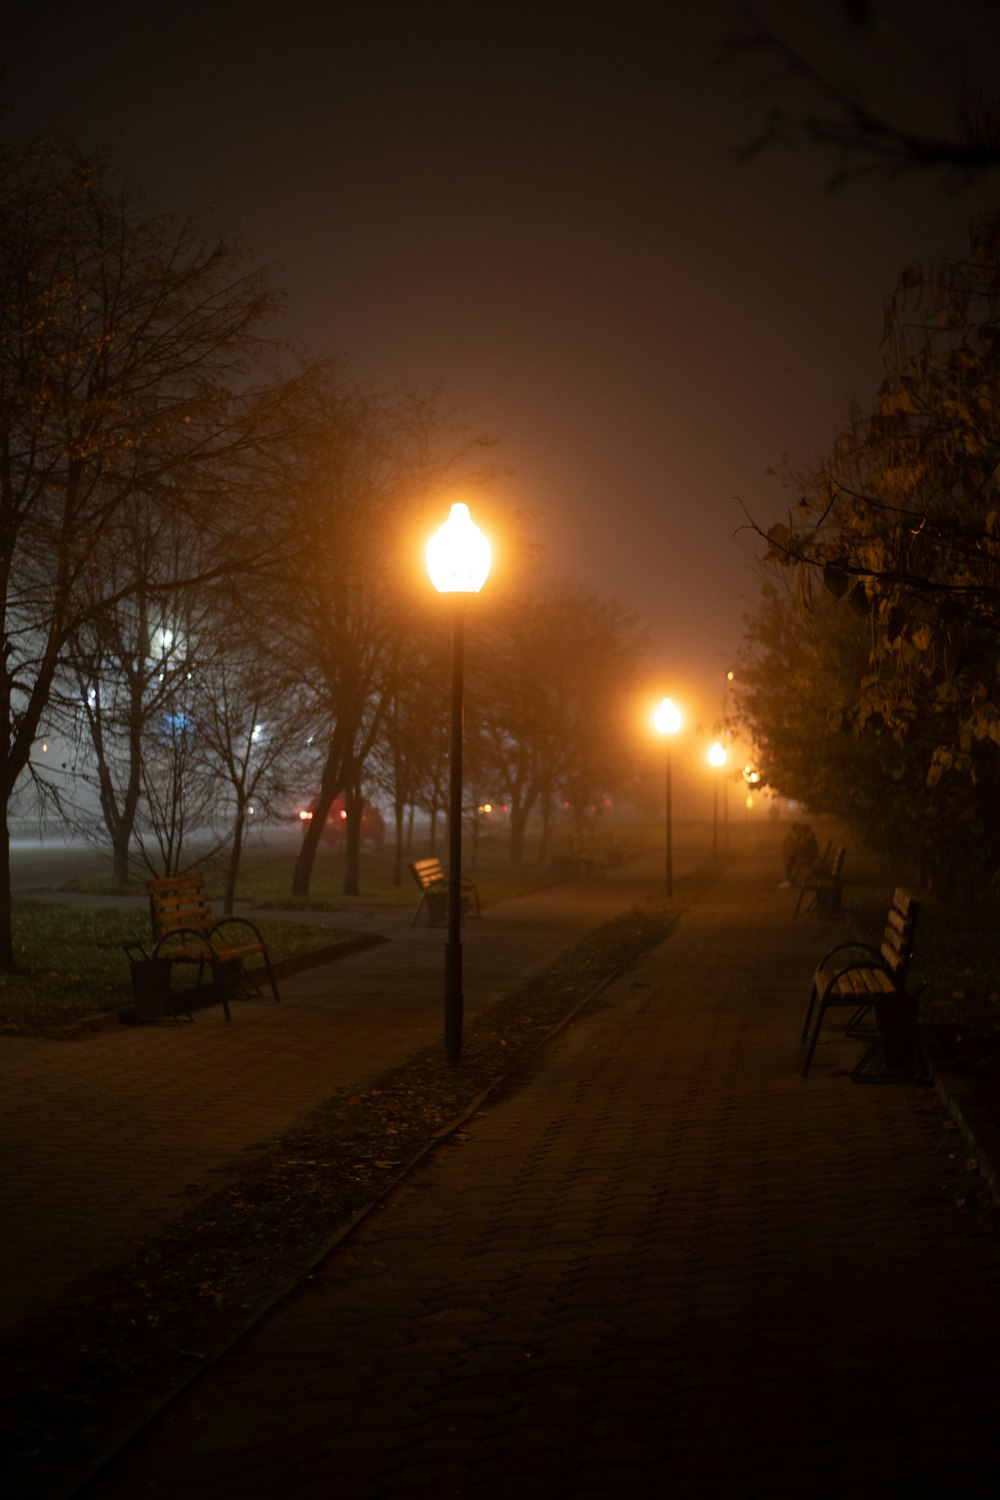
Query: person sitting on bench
x,y
799,850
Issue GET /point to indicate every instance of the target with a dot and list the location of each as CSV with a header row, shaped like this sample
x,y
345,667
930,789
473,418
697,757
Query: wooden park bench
x,y
866,978
186,932
430,877
825,887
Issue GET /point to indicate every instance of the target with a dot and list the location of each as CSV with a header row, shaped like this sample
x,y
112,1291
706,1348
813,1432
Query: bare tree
x,y
341,618
550,684
861,136
129,357
250,727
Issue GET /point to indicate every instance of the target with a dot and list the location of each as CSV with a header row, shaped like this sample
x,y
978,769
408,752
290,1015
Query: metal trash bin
x,y
154,999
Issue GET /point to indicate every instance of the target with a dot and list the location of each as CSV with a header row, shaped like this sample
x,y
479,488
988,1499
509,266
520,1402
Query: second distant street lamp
x,y
716,758
458,562
668,720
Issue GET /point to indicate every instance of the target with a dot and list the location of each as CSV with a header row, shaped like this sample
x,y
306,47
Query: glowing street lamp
x,y
458,562
717,759
667,720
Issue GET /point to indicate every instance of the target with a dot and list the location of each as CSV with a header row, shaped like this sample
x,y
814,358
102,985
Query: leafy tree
x,y
901,524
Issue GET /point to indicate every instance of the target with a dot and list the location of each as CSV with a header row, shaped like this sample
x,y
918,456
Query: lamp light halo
x,y
458,554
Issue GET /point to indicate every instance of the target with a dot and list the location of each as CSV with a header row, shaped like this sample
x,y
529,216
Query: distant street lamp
x,y
716,758
668,720
458,562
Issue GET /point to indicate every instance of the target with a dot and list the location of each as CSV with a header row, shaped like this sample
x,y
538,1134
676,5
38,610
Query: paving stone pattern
x,y
664,1266
106,1137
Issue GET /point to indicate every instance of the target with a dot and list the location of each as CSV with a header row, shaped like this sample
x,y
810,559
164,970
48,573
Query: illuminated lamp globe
x,y
717,755
458,554
667,717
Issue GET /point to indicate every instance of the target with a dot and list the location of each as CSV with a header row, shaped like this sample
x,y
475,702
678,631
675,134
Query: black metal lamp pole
x,y
717,760
667,719
458,561
453,998
670,831
715,817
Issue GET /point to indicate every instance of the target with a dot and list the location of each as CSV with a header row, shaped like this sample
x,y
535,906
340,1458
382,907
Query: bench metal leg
x,y
813,1039
898,1040
809,1013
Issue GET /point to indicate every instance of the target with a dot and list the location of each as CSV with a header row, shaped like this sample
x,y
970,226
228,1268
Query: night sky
x,y
539,209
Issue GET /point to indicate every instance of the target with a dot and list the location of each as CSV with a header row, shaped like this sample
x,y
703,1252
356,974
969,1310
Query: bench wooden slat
x,y
433,882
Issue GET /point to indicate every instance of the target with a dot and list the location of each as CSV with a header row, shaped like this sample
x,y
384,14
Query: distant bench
x,y
825,886
430,877
867,978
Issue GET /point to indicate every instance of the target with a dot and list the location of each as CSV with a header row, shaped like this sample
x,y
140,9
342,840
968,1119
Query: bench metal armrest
x,y
237,922
852,945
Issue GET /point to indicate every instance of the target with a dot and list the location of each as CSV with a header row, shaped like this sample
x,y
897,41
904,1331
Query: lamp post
x,y
458,562
668,720
716,758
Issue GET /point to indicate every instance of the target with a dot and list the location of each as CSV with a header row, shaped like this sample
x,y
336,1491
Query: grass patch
x,y
265,880
72,964
71,960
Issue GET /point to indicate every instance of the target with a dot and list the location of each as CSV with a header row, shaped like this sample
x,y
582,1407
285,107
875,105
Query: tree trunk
x,y
6,915
120,844
518,829
354,805
543,847
399,816
234,859
331,784
302,874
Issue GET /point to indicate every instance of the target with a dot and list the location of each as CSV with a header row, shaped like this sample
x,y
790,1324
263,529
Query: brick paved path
x,y
106,1137
665,1266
